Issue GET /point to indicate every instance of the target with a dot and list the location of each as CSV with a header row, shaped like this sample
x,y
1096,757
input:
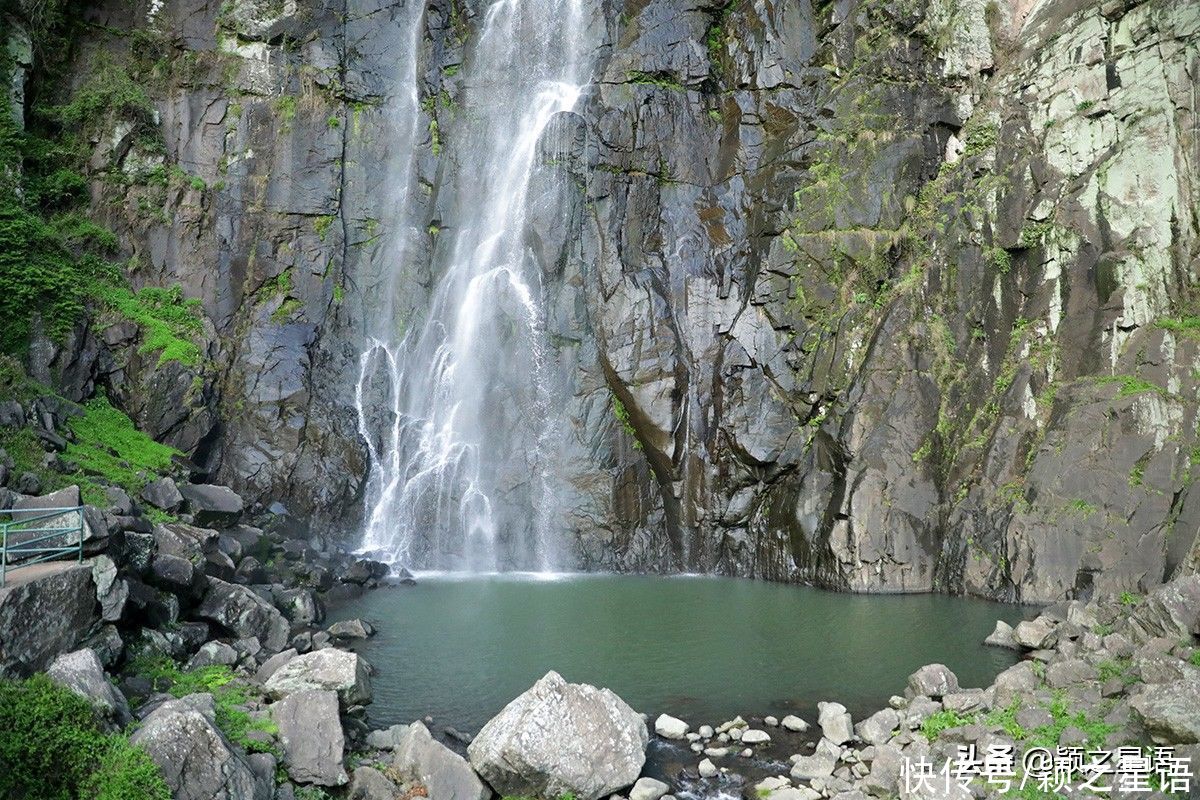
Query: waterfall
x,y
459,476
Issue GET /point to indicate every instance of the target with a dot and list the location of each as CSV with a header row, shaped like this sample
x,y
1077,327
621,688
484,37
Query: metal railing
x,y
26,536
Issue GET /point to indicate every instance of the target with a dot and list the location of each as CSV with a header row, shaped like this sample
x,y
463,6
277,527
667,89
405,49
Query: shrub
x,y
52,747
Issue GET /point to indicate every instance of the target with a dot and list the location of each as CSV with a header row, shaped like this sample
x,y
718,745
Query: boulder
x,y
1034,634
1019,680
835,722
878,728
111,591
335,670
213,505
1170,712
29,508
82,673
163,494
560,737
365,571
417,756
300,606
43,616
367,783
1171,610
819,765
244,613
351,629
176,574
793,723
932,680
651,789
386,739
310,733
213,653
196,760
272,665
669,727
755,736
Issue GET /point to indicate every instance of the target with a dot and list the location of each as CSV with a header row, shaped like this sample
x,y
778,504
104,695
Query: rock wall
x,y
882,295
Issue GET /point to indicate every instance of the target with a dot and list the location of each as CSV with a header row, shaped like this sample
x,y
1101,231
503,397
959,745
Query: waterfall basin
x,y
458,648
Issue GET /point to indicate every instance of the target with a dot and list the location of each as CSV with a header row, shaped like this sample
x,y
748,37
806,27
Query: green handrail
x,y
35,547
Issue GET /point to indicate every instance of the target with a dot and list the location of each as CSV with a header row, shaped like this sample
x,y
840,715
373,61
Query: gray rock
x,y
1172,610
82,673
175,574
444,773
753,736
883,779
1019,680
966,701
386,739
368,783
559,737
670,727
310,733
212,653
43,616
649,789
196,760
107,644
300,606
819,765
793,723
835,722
351,629
878,728
272,664
1062,674
932,680
1034,634
211,504
244,613
163,494
336,670
1170,712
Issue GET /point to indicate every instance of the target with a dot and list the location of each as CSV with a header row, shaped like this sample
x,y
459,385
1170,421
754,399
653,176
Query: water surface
x,y
701,648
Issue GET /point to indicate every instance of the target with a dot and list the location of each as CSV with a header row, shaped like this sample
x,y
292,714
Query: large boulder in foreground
x,y
312,738
196,759
335,670
1171,610
43,616
560,738
244,613
417,756
82,673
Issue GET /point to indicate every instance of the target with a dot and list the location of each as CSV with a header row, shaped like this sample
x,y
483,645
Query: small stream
x,y
704,649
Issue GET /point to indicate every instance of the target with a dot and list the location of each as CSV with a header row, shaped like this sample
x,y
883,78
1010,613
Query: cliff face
x,y
883,296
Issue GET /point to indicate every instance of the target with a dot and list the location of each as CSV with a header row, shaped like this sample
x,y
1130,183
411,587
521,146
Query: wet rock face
x,y
879,295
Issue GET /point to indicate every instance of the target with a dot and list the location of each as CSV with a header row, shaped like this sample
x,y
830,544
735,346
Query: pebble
x,y
747,753
771,721
723,737
670,727
735,734
693,737
716,752
696,747
708,769
706,731
648,789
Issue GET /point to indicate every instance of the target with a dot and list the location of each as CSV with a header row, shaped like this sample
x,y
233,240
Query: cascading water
x,y
459,474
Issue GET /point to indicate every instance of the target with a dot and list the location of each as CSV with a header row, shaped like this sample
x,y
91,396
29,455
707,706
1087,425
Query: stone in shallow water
x,y
707,769
793,723
561,737
932,680
648,789
670,727
754,736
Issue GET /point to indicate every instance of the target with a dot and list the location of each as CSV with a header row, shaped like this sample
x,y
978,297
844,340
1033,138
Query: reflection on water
x,y
458,648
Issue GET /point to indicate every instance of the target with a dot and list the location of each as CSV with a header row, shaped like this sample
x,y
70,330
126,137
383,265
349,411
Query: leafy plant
x,y
52,748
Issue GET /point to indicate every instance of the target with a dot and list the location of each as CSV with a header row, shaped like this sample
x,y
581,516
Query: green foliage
x,y
229,695
108,89
1081,507
1034,233
1048,735
312,793
1006,719
285,109
1186,326
321,226
1195,659
169,323
52,748
1130,385
980,139
108,445
1129,599
939,721
622,415
664,80
1001,259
